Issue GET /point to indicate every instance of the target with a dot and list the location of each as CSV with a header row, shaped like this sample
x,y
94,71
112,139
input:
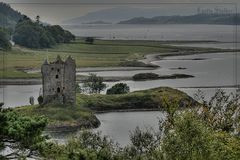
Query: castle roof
x,y
45,62
69,60
58,60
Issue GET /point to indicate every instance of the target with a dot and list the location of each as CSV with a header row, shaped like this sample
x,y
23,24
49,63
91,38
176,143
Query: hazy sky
x,y
55,11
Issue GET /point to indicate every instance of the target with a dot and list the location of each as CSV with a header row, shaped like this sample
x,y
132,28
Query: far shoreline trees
x,y
32,34
89,40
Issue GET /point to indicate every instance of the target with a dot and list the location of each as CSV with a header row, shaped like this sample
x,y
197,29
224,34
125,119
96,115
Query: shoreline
x,y
129,110
38,81
148,60
72,128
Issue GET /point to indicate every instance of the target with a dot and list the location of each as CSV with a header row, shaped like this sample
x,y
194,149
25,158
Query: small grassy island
x,y
61,117
68,118
154,76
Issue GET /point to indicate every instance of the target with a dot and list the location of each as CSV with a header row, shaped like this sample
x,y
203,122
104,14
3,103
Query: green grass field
x,y
103,53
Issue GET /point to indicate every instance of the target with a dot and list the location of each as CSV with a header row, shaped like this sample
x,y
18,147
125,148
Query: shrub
x,y
31,100
40,99
89,40
119,88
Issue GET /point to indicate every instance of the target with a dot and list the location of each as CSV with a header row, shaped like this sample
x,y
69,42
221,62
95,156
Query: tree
x,y
22,134
1,105
94,84
188,139
31,100
221,112
59,34
87,146
4,39
28,34
35,35
119,88
8,16
78,88
38,19
89,40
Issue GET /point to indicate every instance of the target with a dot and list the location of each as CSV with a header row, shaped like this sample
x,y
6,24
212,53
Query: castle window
x,y
58,70
56,76
52,68
58,90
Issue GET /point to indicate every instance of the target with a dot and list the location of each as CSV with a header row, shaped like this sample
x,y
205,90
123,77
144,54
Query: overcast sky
x,y
55,11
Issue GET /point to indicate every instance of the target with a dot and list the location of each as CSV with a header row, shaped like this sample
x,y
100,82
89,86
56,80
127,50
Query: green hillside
x,y
226,19
8,16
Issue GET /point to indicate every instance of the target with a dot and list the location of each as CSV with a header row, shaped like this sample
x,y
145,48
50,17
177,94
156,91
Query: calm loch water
x,y
187,32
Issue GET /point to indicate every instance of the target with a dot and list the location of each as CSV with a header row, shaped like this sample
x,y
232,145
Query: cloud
x,y
55,11
118,1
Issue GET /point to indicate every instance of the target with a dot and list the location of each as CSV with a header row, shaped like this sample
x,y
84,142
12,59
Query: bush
x,y
31,100
40,99
78,88
119,88
89,40
21,134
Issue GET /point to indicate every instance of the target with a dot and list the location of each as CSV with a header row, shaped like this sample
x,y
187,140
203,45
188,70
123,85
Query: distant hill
x,y
8,16
114,15
29,33
97,22
229,19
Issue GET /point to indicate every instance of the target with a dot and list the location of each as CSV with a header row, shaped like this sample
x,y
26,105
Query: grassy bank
x,y
61,117
103,53
154,76
68,118
151,99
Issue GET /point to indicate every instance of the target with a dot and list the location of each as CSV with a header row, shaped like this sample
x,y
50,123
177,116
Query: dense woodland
x,y
35,35
29,33
8,16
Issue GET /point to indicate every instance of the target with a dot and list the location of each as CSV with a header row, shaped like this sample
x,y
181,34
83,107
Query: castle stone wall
x,y
59,79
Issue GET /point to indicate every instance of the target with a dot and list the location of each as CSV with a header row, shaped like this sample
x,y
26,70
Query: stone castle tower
x,y
59,81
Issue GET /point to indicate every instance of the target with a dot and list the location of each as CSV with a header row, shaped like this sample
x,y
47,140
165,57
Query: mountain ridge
x,y
228,19
114,15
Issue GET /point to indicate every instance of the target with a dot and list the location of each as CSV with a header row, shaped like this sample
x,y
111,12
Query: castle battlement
x,y
59,81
